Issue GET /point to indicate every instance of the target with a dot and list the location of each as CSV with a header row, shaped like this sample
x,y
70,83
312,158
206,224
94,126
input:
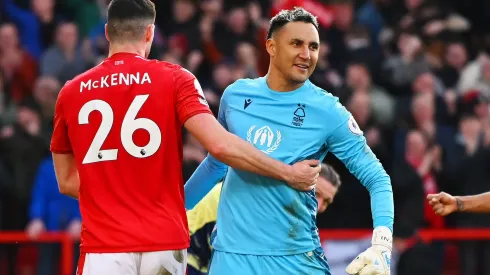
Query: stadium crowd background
x,y
414,73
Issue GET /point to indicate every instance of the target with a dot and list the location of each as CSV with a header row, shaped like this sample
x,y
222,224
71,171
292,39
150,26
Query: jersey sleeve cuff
x,y
61,151
197,112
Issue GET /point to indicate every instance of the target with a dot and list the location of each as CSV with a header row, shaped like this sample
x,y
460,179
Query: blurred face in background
x,y
416,145
485,71
324,51
42,6
222,76
360,107
325,193
238,20
470,127
184,10
424,83
456,56
46,92
482,109
245,53
172,58
343,16
29,120
9,38
294,51
67,36
358,77
413,4
423,109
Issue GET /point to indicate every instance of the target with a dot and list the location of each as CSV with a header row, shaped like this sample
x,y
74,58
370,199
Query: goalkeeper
x,y
266,226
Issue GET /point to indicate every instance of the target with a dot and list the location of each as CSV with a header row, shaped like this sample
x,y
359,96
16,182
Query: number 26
x,y
129,125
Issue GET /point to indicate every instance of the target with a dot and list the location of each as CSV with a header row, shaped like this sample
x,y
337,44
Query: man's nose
x,y
305,53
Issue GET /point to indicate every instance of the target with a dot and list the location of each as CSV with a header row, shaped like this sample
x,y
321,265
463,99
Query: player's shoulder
x,y
241,85
328,103
163,67
321,95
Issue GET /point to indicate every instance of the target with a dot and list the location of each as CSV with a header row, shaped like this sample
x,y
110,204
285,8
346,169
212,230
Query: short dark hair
x,y
127,19
285,16
330,174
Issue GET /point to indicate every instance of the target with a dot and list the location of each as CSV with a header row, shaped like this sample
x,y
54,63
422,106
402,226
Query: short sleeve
x,y
190,99
60,142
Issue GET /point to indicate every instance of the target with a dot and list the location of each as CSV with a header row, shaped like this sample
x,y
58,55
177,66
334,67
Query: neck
x,y
279,83
126,48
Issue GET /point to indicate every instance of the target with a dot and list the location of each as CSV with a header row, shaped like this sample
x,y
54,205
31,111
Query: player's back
x,y
125,131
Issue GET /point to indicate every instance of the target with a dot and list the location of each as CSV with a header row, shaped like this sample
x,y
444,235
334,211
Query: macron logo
x,y
247,103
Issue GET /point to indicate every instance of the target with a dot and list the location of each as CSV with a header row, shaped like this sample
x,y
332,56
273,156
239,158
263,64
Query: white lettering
x,y
123,78
146,77
86,85
135,79
103,80
114,80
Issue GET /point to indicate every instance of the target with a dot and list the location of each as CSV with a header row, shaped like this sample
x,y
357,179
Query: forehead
x,y
325,188
299,30
7,30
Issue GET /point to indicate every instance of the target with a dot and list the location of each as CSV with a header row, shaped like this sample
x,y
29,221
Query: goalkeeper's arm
x,y
348,144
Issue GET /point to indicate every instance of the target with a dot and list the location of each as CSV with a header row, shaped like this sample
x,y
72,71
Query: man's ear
x,y
270,45
150,32
106,32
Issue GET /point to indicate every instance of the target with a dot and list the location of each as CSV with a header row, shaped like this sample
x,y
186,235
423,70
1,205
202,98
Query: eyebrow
x,y
297,40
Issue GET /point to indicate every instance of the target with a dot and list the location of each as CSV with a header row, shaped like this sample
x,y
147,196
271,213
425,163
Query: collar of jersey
x,y
290,93
121,55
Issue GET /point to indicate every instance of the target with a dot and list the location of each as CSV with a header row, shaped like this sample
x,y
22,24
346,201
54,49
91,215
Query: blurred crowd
x,y
414,73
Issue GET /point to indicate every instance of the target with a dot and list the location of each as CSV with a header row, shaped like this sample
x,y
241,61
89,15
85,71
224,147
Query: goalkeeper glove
x,y
376,259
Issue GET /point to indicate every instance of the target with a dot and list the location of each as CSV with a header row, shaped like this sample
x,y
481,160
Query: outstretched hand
x,y
442,203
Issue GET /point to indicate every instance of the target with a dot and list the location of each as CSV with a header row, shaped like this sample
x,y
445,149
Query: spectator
x,y
382,103
65,59
455,60
51,211
45,93
402,69
221,37
7,106
18,67
423,119
360,106
414,176
324,75
86,14
36,27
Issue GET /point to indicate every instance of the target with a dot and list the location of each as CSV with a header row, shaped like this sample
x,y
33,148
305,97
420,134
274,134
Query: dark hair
x,y
285,16
331,175
127,19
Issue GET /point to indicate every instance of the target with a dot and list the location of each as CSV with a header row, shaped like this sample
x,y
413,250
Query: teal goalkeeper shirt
x,y
263,216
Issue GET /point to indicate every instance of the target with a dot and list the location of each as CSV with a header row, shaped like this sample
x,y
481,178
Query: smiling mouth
x,y
302,66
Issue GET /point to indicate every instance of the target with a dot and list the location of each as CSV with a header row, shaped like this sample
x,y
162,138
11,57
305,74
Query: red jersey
x,y
122,121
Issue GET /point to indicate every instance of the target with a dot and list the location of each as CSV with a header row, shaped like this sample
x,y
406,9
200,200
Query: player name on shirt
x,y
115,80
